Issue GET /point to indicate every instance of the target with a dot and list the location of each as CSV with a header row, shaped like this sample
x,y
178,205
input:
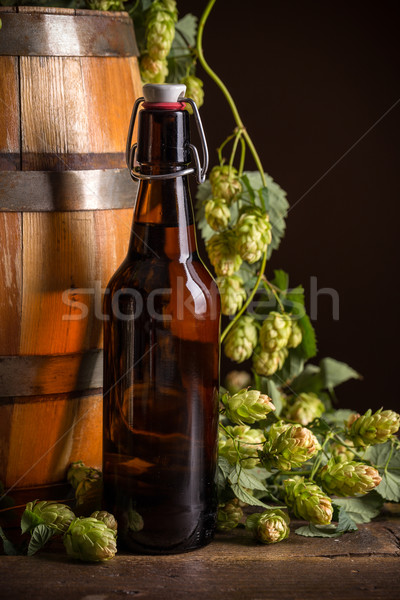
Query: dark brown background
x,y
310,79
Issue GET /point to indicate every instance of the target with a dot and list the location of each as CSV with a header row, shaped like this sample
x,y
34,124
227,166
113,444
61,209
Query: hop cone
x,y
241,340
90,540
253,234
78,472
55,515
307,501
247,406
229,515
88,484
222,253
295,336
305,408
270,526
371,429
348,478
341,452
267,363
245,446
237,380
153,71
288,446
217,213
105,4
160,31
275,332
194,90
107,518
225,183
232,294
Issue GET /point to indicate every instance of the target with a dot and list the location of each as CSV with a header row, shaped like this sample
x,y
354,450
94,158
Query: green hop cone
x,y
247,406
194,90
153,71
244,447
268,363
370,429
107,518
342,452
232,294
88,485
241,340
160,33
304,408
270,526
79,472
217,213
90,540
164,6
225,183
55,515
295,336
253,234
275,331
348,478
237,380
288,446
222,253
105,4
229,515
307,501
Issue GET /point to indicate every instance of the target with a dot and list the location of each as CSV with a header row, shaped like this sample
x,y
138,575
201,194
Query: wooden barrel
x,y
67,85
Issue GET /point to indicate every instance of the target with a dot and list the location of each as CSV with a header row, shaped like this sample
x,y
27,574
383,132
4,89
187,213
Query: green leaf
x,y
280,280
180,57
338,417
269,387
361,509
223,470
387,461
244,496
246,479
9,548
40,536
309,380
345,522
248,188
187,26
309,342
292,367
29,521
311,530
334,372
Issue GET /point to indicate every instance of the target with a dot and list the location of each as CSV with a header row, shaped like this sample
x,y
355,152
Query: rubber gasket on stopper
x,y
165,105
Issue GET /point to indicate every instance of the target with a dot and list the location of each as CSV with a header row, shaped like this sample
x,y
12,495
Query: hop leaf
x,y
304,408
288,446
253,234
229,515
270,526
53,514
222,254
217,214
267,363
107,518
232,294
307,501
225,183
90,540
275,331
244,445
247,406
241,340
370,429
348,478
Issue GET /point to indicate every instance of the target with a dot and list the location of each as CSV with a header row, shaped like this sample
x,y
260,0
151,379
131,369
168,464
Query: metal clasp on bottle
x,y
200,171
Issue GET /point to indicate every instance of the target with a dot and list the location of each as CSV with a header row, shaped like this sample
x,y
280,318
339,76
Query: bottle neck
x,y
163,220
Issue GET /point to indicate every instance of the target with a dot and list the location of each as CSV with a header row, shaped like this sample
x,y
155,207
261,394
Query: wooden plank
x,y
110,112
224,569
11,286
55,432
9,115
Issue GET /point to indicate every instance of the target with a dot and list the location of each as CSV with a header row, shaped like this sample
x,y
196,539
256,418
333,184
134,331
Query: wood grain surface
x,y
359,566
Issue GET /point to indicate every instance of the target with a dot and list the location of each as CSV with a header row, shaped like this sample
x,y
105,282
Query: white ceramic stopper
x,y
164,92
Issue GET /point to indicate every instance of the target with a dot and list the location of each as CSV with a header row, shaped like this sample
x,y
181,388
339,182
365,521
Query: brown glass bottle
x,y
161,360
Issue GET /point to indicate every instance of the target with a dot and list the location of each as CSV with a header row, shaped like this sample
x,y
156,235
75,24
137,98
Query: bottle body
x,y
161,365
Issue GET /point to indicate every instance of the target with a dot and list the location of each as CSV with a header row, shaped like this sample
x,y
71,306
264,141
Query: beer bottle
x,y
161,347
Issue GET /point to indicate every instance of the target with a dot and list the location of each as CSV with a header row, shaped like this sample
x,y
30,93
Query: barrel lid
x,y
164,92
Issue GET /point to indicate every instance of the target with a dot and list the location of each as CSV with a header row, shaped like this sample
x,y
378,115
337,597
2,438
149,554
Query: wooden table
x,y
360,565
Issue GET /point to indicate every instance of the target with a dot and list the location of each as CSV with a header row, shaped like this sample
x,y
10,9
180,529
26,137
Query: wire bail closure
x,y
200,171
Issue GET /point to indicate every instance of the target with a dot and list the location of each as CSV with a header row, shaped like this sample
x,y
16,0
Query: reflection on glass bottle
x,y
161,358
